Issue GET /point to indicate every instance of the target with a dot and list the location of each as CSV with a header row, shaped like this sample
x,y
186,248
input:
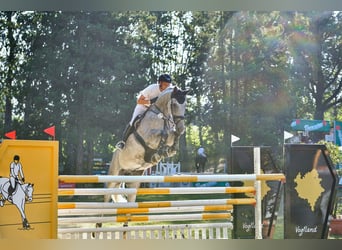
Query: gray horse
x,y
155,137
22,193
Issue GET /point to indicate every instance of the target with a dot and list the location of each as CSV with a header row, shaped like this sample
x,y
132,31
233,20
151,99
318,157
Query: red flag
x,y
12,134
50,131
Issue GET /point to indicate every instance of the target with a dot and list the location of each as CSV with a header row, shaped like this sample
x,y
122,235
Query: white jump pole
x,y
174,178
258,209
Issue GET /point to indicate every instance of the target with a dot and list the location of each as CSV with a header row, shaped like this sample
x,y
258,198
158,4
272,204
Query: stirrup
x,y
120,145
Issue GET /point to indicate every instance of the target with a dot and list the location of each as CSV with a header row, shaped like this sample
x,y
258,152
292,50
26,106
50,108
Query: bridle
x,y
173,119
170,124
26,190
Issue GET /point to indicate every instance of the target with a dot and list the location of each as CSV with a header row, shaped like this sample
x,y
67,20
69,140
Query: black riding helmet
x,y
164,78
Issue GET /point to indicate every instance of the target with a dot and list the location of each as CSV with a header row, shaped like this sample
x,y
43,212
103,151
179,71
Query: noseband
x,y
174,119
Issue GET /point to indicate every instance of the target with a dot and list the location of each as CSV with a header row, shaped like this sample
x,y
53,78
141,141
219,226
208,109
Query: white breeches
x,y
139,109
12,181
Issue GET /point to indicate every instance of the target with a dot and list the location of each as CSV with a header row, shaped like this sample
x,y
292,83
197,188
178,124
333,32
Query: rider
x,y
145,98
15,170
201,159
201,152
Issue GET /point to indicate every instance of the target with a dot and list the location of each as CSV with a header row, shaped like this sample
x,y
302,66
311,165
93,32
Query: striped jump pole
x,y
213,209
155,191
120,211
153,204
146,218
174,178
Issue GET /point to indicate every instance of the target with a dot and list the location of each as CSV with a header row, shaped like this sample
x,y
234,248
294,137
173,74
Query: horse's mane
x,y
167,91
165,96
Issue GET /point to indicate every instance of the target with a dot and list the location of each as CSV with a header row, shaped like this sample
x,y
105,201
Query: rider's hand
x,y
23,179
153,100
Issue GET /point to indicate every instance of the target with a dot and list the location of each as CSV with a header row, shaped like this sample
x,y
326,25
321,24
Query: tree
x,y
14,47
318,59
84,83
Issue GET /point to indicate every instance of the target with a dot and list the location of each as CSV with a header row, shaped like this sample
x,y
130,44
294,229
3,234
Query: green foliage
x,y
250,73
334,151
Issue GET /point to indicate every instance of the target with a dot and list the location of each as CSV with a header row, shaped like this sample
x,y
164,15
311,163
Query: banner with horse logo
x,y
28,189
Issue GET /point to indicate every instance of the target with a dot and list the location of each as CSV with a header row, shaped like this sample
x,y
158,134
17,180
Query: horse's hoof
x,y
120,198
1,203
171,152
155,158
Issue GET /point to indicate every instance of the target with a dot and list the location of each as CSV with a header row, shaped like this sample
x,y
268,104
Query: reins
x,y
169,122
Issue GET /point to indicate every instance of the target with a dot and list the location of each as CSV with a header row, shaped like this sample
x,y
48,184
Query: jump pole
x,y
173,178
257,183
153,204
123,211
154,191
146,218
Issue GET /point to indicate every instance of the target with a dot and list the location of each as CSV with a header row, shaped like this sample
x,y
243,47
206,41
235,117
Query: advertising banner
x,y
310,125
309,190
244,215
28,189
338,132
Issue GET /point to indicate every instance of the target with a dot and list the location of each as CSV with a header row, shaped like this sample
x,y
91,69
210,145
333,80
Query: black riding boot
x,y
127,132
10,192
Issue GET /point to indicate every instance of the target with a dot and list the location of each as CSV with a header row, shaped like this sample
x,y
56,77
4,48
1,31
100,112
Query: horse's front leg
x,y
26,225
172,150
21,208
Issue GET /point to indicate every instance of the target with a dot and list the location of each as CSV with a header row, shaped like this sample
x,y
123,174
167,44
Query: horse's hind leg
x,y
113,170
130,198
107,199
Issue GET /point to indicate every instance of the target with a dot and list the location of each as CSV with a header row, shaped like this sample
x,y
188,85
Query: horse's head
x,y
28,189
172,103
178,105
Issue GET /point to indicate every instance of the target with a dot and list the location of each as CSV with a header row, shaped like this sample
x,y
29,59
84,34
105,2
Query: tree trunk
x,y
9,73
79,152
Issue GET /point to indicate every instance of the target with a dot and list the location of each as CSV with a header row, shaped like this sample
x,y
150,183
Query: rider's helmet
x,y
165,78
16,158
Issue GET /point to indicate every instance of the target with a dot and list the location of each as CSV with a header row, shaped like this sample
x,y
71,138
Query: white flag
x,y
287,135
234,138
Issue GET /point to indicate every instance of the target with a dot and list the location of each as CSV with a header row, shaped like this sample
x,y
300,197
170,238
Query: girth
x,y
149,152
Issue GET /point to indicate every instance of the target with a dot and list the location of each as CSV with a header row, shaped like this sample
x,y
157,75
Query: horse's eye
x,y
181,99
